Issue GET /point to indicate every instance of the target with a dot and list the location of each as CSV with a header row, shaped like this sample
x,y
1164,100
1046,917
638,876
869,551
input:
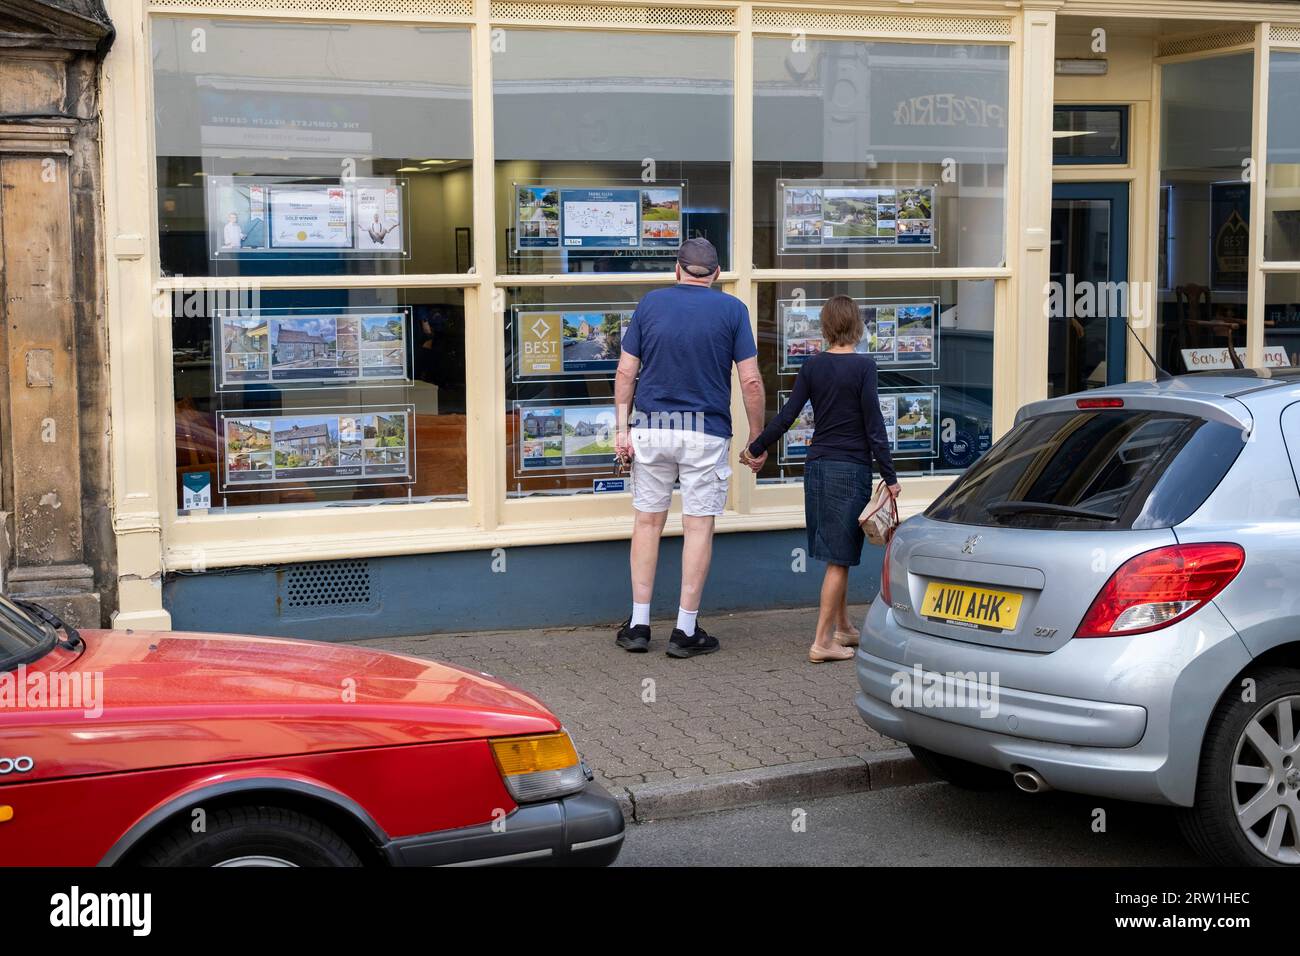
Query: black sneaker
x,y
679,645
634,639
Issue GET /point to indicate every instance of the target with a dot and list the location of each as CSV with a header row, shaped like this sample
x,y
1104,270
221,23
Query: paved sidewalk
x,y
648,718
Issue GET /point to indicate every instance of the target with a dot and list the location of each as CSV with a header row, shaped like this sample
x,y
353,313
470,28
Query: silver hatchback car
x,y
1108,602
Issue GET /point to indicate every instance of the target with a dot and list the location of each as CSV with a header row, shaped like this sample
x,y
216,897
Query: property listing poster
x,y
379,218
910,421
909,416
558,342
647,219
326,446
818,216
896,334
238,212
555,436
266,215
315,348
795,442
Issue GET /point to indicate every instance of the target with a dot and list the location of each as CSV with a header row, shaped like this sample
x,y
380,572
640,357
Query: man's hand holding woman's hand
x,y
753,462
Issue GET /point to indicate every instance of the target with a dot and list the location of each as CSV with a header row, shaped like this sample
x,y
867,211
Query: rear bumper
x,y
1118,717
584,829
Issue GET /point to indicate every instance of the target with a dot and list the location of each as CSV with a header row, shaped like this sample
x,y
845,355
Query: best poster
x,y
317,348
645,218
569,341
566,436
897,334
355,447
816,216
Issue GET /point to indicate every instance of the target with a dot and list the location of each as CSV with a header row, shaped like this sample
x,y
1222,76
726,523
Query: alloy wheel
x,y
255,860
1266,780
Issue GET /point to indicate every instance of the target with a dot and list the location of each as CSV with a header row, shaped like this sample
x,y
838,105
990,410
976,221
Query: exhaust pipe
x,y
1030,782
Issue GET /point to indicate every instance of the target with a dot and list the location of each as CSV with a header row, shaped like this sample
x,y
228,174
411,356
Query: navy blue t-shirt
x,y
687,337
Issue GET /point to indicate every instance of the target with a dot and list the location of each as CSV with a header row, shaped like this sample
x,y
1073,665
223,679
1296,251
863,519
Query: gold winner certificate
x,y
311,218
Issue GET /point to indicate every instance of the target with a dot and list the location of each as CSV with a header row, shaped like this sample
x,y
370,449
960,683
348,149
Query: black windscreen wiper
x,y
46,616
1000,508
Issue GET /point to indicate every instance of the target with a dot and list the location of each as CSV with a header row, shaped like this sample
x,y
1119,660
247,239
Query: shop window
x,y
1282,182
312,149
1281,320
1204,230
318,398
933,346
873,154
1089,135
611,148
563,347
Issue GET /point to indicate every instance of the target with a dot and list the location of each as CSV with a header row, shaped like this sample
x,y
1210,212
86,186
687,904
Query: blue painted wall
x,y
545,586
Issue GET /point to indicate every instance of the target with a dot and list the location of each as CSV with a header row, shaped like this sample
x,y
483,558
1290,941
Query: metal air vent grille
x,y
327,584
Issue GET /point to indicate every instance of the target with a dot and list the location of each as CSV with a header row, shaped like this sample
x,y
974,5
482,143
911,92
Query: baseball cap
x,y
698,257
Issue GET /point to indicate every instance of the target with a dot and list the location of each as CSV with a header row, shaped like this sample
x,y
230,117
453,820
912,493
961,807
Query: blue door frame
x,y
1117,195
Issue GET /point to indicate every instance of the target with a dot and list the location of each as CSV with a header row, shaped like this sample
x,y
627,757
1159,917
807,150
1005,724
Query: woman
x,y
848,431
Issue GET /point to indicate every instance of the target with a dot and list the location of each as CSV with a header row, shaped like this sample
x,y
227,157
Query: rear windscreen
x,y
1094,470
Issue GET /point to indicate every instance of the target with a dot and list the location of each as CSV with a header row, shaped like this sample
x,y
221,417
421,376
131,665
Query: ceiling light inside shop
x,y
1089,67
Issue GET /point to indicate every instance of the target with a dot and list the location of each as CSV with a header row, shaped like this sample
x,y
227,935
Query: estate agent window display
x,y
282,152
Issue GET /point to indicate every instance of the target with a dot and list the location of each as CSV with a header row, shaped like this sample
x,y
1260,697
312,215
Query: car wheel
x,y
960,773
250,836
1247,809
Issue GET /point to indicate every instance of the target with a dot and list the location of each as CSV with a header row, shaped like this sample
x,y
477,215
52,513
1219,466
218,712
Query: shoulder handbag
x,y
880,517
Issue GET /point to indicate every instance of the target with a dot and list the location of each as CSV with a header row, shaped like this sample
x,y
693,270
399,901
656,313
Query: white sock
x,y
686,621
640,614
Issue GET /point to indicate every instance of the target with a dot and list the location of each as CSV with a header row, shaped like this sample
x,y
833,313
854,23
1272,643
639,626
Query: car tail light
x,y
1099,403
539,767
1152,590
884,577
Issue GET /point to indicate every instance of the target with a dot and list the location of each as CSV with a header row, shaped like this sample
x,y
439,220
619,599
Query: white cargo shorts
x,y
663,456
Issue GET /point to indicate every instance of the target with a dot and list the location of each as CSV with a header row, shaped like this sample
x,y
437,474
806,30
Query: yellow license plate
x,y
971,607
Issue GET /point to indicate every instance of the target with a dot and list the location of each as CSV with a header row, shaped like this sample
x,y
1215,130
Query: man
x,y
683,340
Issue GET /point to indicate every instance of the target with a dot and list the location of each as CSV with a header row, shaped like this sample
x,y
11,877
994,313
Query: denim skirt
x,y
834,494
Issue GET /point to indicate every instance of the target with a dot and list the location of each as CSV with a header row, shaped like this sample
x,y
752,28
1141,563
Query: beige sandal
x,y
818,656
847,638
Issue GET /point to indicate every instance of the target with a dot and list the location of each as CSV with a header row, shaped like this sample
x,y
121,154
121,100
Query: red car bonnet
x,y
140,700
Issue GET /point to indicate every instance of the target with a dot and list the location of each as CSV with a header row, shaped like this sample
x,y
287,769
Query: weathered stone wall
x,y
58,544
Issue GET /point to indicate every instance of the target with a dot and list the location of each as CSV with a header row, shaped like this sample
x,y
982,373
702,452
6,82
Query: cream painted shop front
x,y
368,262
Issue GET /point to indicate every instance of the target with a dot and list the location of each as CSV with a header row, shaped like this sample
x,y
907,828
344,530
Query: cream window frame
x,y
1259,46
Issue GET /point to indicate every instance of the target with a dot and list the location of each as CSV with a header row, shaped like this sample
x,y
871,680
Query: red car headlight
x,y
539,767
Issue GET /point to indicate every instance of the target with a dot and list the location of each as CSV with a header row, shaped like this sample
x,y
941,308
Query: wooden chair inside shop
x,y
1199,326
